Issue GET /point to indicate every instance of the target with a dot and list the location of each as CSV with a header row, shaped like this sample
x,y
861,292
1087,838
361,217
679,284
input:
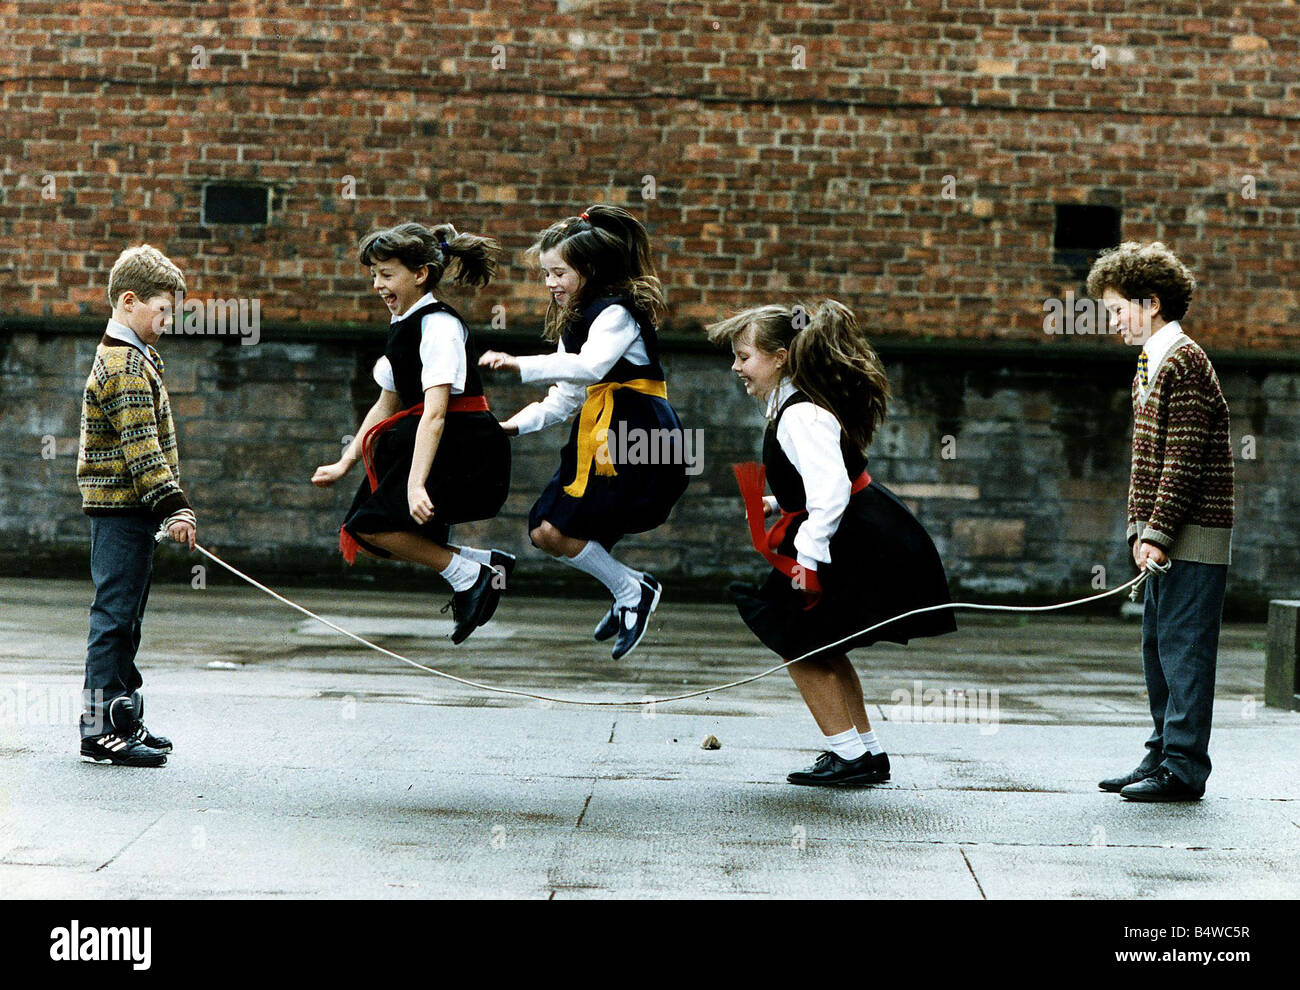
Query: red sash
x,y
752,479
456,404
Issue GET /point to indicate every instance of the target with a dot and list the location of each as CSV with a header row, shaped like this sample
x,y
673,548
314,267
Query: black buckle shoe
x,y
608,626
121,745
474,606
829,770
1163,785
1116,784
633,622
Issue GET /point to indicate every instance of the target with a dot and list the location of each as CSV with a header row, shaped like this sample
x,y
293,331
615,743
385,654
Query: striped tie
x,y
157,360
1142,369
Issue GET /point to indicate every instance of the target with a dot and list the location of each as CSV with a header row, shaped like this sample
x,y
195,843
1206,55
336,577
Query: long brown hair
x,y
830,359
473,259
610,249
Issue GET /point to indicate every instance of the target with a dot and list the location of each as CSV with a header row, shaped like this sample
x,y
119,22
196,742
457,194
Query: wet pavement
x,y
310,766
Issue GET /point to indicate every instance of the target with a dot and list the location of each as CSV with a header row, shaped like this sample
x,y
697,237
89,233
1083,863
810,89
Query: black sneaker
x,y
121,745
143,735
120,751
830,770
633,622
474,606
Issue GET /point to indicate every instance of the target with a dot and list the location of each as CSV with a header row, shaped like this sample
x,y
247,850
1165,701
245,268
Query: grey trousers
x,y
1181,617
121,565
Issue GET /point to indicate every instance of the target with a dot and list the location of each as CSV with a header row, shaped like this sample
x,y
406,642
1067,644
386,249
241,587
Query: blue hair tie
x,y
443,246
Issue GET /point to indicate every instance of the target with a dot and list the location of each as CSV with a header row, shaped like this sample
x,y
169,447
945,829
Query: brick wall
x,y
905,158
794,148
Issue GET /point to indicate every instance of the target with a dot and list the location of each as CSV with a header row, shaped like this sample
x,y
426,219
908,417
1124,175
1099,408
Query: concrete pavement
x,y
307,766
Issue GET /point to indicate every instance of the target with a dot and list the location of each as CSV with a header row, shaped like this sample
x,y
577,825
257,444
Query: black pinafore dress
x,y
636,487
470,476
883,563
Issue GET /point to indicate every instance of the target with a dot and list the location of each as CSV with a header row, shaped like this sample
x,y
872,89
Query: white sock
x,y
847,745
461,573
623,582
871,742
476,555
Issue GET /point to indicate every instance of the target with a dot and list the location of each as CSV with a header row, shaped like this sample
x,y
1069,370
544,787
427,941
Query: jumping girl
x,y
606,305
434,455
846,553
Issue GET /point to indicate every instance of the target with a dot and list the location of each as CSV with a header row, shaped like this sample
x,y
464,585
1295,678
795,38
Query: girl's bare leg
x,y
550,540
824,694
851,685
413,547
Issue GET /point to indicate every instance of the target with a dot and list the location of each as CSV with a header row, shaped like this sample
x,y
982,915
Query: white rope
x,y
1134,584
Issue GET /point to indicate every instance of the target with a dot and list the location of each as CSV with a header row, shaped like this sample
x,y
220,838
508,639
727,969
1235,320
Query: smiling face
x,y
398,286
1134,319
562,281
760,371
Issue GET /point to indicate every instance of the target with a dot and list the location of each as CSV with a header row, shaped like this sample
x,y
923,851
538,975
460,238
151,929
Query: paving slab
x,y
308,766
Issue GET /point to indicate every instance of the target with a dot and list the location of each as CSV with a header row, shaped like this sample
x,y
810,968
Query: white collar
x,y
1159,343
424,300
120,331
778,396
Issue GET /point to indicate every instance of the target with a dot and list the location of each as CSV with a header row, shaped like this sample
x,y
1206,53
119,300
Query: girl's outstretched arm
x,y
386,405
428,436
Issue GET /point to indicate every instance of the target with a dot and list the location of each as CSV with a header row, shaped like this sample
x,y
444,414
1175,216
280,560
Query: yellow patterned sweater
x,y
127,461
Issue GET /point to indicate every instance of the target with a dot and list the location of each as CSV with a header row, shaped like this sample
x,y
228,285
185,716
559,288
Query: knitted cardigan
x,y
1180,491
127,460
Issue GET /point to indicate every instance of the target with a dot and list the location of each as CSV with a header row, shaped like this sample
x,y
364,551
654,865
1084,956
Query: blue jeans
x,y
121,566
1180,650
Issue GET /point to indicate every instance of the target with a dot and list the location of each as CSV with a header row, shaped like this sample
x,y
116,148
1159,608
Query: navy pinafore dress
x,y
883,563
643,490
470,476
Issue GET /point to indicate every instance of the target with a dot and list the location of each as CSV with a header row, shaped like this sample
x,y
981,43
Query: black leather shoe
x,y
474,606
608,626
504,565
633,622
1117,784
160,743
880,768
1163,785
831,771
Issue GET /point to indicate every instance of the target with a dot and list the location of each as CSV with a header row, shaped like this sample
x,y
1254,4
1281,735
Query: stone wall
x,y
1017,463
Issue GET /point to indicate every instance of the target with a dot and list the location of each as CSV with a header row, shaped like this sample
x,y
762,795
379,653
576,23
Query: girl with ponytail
x,y
434,454
605,310
845,552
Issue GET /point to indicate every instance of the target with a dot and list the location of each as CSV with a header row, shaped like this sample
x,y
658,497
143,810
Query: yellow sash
x,y
593,428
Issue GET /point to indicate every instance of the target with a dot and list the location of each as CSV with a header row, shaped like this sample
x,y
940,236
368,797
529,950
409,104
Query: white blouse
x,y
442,351
614,334
810,436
